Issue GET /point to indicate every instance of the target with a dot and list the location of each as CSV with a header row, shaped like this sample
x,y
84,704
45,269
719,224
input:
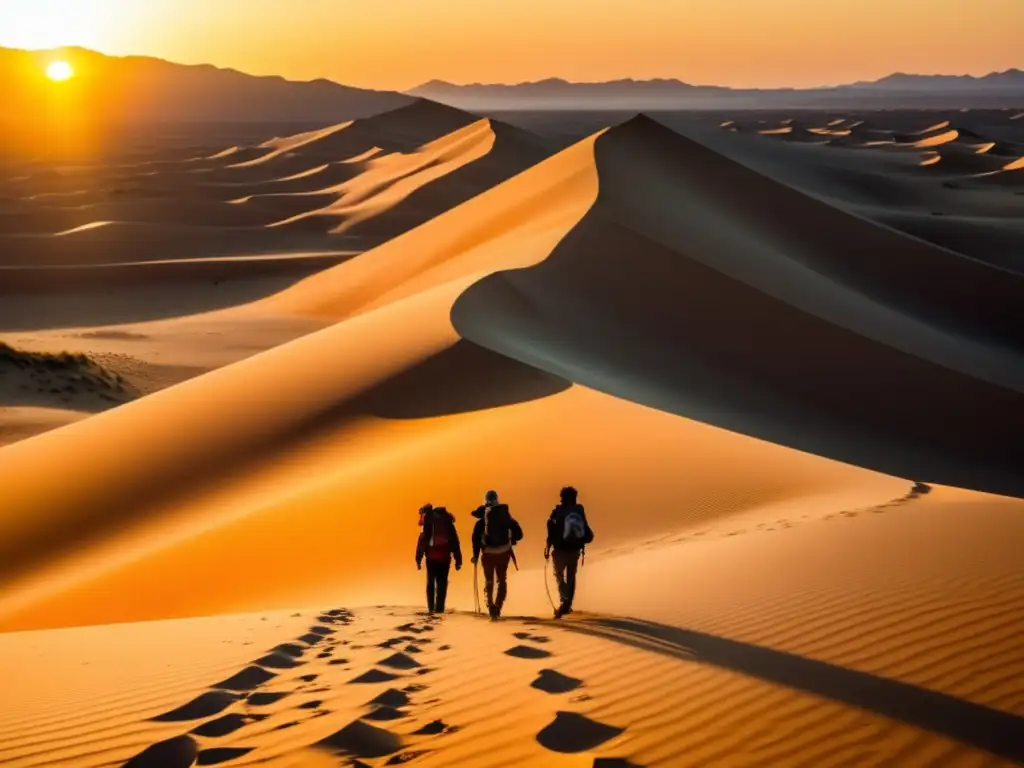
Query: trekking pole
x,y
476,590
547,588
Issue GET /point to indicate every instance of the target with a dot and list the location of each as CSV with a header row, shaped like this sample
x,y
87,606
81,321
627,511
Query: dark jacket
x,y
515,531
439,517
556,524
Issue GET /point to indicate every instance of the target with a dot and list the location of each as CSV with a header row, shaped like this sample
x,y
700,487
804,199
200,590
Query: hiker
x,y
438,543
494,535
568,535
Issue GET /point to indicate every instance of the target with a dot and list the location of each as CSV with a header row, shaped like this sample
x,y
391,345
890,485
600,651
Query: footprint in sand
x,y
179,752
225,725
312,704
385,713
263,699
336,662
392,698
359,739
277,660
218,755
614,762
373,676
290,649
246,680
399,661
527,652
311,638
407,757
204,705
553,682
435,728
570,732
531,637
309,678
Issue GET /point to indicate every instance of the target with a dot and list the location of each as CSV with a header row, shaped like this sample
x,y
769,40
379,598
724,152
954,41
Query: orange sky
x,y
401,43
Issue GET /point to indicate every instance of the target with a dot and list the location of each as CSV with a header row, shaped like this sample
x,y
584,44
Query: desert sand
x,y
794,427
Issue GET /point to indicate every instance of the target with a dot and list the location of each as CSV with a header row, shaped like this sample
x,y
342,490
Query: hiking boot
x,y
493,611
559,612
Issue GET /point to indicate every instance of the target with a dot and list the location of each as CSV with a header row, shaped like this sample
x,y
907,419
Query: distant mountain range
x,y
141,89
998,89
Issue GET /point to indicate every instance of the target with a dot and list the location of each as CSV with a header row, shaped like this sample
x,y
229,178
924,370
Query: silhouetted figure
x,y
438,543
568,535
494,535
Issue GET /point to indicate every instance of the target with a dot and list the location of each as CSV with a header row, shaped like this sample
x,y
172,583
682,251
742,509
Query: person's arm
x,y
478,532
551,536
420,549
456,547
517,530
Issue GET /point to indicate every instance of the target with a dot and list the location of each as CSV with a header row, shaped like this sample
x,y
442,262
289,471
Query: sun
x,y
60,71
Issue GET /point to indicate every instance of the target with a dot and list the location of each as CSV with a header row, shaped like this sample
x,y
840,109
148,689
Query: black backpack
x,y
497,526
571,527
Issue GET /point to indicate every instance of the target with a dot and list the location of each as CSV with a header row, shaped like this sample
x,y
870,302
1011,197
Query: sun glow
x,y
60,71
46,24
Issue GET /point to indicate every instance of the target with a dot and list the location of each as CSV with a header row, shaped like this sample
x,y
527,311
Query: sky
x,y
397,44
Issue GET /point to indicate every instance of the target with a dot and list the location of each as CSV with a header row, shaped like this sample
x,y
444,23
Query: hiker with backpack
x,y
494,535
438,543
568,535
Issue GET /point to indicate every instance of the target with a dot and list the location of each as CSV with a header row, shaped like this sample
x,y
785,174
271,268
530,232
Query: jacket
x,y
439,516
556,526
515,531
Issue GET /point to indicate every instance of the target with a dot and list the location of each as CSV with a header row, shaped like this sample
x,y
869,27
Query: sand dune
x,y
748,384
753,662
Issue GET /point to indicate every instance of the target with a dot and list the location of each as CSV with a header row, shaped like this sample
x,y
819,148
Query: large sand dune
x,y
748,384
125,249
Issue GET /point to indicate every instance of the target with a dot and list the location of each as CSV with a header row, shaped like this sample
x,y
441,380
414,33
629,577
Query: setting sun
x,y
60,70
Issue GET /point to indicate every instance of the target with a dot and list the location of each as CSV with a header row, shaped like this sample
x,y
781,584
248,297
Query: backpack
x,y
574,529
574,533
497,526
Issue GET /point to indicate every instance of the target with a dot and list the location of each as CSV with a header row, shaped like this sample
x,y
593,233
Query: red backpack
x,y
438,544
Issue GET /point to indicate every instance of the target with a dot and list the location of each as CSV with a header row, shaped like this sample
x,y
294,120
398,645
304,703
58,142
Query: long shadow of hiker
x,y
997,732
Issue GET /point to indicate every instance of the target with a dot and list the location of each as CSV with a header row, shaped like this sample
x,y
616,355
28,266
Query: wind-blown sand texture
x,y
766,422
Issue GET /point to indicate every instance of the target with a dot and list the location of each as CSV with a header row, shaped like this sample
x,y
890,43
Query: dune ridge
x,y
781,576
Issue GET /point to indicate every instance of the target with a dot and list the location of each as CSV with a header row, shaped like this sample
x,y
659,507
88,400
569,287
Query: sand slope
x,y
129,249
871,651
706,353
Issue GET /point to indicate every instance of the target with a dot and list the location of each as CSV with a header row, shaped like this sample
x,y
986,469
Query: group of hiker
x,y
495,535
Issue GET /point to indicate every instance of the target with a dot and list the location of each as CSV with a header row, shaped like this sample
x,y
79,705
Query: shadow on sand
x,y
997,732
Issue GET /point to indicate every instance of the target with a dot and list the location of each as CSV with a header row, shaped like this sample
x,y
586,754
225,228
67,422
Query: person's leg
x,y
559,562
501,569
571,565
488,563
443,569
431,577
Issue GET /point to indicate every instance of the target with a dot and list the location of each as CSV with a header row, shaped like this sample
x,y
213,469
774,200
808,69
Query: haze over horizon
x,y
750,43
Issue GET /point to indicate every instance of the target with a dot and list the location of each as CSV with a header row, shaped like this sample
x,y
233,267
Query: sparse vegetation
x,y
66,374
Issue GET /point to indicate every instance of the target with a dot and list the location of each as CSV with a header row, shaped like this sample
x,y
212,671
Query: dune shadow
x,y
992,730
464,377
